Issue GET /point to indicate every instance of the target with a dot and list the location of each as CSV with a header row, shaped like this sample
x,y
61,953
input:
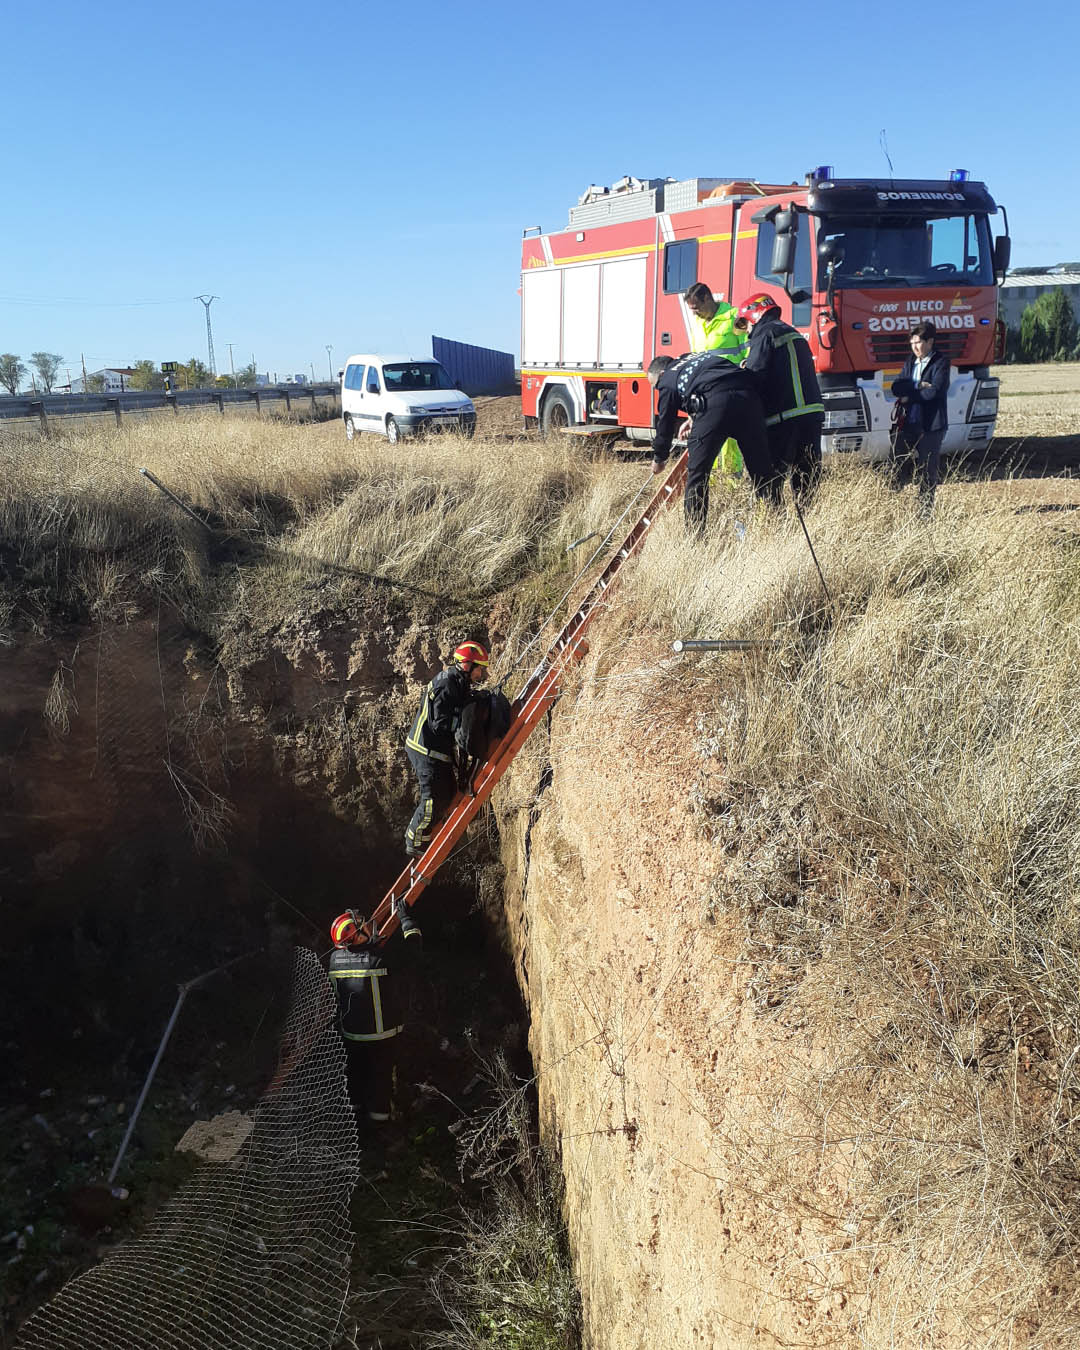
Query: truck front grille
x,y
888,348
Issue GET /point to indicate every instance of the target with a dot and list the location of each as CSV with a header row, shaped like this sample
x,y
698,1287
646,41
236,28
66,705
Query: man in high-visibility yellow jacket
x,y
712,329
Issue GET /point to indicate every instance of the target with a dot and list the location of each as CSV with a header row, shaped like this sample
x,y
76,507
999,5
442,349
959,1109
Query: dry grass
x,y
903,840
1051,378
446,517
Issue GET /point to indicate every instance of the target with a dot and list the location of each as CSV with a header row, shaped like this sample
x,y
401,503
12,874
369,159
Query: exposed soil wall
x,y
712,1198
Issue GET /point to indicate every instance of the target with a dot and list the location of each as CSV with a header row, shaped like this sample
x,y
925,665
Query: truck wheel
x,y
350,429
557,415
393,431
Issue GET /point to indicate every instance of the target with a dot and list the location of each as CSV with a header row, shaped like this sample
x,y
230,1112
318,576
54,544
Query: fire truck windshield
x,y
412,376
894,250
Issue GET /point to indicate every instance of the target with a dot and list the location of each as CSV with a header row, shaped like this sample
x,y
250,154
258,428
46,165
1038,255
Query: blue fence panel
x,y
476,370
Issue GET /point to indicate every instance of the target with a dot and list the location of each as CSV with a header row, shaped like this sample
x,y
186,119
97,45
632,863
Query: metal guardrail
x,y
45,406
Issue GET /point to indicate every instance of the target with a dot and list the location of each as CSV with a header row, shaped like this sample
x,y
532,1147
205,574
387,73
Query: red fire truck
x,y
854,264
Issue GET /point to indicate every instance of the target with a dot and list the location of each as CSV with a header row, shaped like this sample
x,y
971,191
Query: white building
x,y
1023,286
115,380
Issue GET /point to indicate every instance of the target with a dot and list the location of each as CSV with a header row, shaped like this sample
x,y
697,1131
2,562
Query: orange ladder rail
x,y
538,695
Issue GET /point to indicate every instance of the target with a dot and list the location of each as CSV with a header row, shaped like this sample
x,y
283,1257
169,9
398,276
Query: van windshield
x,y
416,375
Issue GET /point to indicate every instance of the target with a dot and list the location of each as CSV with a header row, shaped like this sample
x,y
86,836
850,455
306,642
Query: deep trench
x,y
90,967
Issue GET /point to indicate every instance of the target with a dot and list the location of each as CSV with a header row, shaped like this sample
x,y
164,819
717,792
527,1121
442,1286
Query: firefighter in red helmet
x,y
368,1010
436,737
790,397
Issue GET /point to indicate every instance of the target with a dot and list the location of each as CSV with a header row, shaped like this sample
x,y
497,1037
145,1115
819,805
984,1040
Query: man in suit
x,y
922,392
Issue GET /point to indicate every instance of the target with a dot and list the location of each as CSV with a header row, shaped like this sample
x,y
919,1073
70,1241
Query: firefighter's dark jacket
x,y
787,382
438,723
704,374
369,1002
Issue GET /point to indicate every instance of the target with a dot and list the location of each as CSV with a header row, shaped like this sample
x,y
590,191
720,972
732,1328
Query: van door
x,y
374,402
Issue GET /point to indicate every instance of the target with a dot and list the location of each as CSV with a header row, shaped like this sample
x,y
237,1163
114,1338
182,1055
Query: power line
x,y
90,304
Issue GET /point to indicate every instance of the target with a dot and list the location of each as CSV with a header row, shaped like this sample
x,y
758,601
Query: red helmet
x,y
471,654
756,307
347,928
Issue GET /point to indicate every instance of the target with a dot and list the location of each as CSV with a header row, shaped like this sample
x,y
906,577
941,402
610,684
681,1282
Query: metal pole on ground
x,y
182,991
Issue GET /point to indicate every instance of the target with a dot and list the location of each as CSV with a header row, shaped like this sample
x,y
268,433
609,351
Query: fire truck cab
x,y
854,265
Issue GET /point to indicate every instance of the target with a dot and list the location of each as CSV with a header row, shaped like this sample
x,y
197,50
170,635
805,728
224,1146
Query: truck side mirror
x,y
786,222
1002,254
783,255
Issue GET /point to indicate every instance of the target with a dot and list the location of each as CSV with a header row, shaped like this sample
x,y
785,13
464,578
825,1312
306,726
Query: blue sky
x,y
360,175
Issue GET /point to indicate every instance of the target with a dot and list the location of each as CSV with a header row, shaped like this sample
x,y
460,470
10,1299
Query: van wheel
x,y
558,414
393,431
350,429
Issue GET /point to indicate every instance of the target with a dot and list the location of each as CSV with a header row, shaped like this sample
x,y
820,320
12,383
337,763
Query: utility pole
x,y
311,365
208,300
83,360
232,370
329,363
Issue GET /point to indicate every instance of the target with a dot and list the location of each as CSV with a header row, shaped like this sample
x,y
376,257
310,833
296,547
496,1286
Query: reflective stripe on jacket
x,y
780,357
357,979
439,718
718,334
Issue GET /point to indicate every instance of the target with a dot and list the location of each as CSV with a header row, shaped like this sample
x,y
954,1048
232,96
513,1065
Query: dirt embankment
x,y
716,1192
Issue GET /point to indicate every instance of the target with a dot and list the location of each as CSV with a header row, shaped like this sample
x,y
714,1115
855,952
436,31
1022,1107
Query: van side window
x,y
373,380
354,376
803,277
680,266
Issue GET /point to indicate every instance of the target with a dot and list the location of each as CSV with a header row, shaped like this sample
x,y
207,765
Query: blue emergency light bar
x,y
823,171
959,176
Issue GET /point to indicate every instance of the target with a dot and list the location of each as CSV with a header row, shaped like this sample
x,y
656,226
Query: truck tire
x,y
557,413
393,431
350,429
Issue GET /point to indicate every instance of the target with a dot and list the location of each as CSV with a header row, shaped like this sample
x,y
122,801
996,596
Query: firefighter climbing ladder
x,y
538,695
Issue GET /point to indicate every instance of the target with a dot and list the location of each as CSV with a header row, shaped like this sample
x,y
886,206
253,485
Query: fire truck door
x,y
751,258
752,261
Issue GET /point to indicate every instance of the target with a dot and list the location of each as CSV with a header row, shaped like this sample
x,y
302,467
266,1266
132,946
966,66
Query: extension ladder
x,y
537,696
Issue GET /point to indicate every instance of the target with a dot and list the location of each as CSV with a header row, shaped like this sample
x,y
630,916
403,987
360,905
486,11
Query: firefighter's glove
x,y
464,775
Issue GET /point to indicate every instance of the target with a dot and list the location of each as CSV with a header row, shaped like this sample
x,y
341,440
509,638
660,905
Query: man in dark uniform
x,y
723,401
436,734
369,1012
790,397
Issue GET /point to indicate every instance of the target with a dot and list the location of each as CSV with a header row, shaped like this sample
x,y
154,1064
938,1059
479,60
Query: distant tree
x,y
12,372
245,376
146,376
1060,324
1048,328
46,364
195,375
1032,336
95,384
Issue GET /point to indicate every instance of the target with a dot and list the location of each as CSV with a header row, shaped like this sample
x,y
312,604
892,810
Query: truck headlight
x,y
984,407
838,419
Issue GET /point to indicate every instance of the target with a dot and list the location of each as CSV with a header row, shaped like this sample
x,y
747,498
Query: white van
x,y
400,396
